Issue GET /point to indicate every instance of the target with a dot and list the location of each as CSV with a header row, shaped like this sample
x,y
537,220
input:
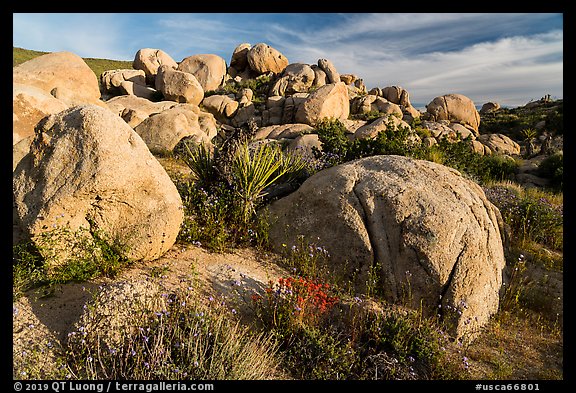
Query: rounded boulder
x,y
262,58
455,108
87,169
208,69
429,234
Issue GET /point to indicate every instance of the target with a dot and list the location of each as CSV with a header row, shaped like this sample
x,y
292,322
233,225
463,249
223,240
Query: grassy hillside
x,y
98,66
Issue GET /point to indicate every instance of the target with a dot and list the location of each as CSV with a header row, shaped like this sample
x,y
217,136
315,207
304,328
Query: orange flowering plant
x,y
294,300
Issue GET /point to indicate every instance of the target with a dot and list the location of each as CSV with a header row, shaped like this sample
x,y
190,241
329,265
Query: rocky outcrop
x,y
88,169
112,79
478,147
244,97
239,59
179,86
371,130
135,109
348,78
305,145
163,131
135,89
29,105
430,234
442,129
500,143
397,95
284,131
20,149
64,75
209,70
489,107
372,103
149,60
221,106
320,78
296,78
329,101
332,76
208,124
262,59
455,108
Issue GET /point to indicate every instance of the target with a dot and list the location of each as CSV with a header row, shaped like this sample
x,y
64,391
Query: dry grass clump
x,y
139,331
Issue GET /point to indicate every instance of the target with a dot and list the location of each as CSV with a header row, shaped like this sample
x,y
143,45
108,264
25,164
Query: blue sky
x,y
503,57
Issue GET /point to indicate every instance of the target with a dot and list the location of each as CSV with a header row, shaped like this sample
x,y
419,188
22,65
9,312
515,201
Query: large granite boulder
x,y
179,86
430,234
371,130
30,105
135,109
221,106
163,131
332,75
262,58
64,75
87,169
112,79
296,78
456,108
500,143
208,69
329,101
149,60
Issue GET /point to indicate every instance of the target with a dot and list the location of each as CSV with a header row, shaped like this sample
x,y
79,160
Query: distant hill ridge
x,y
20,55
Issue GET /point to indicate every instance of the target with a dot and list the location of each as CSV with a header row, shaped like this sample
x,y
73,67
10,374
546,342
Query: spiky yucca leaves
x,y
201,161
256,169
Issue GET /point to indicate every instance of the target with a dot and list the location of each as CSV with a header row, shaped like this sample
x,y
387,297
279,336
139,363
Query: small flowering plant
x,y
294,300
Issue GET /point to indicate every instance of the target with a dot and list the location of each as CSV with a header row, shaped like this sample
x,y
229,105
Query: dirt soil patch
x,y
41,323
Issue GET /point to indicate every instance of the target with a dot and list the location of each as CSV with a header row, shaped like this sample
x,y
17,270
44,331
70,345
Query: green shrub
x,y
200,160
313,353
369,116
528,134
482,168
553,168
417,344
335,144
222,199
259,87
337,148
61,255
531,215
512,121
322,336
212,218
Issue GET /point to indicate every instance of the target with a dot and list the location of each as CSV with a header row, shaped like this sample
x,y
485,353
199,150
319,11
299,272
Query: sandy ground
x,y
41,324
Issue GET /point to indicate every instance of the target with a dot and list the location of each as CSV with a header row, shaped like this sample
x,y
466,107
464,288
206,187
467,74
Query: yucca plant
x,y
293,164
253,172
254,169
200,160
529,133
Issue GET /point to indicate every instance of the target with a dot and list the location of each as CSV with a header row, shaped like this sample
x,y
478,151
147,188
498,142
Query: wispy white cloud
x,y
512,69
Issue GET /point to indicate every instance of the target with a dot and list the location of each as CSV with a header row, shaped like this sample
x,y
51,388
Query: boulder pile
x,y
84,157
